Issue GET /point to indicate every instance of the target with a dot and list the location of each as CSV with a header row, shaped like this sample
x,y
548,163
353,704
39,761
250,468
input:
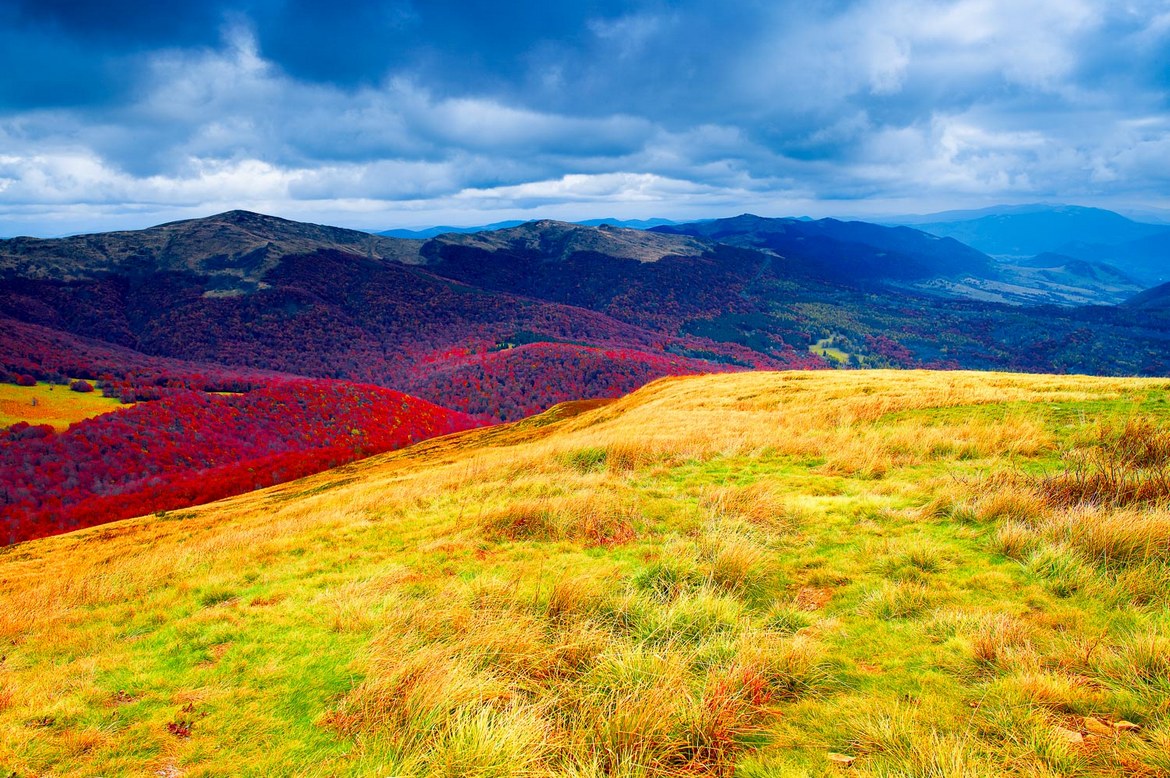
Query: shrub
x,y
1130,466
81,385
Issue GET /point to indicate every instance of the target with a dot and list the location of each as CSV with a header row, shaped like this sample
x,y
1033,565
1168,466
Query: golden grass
x,y
732,574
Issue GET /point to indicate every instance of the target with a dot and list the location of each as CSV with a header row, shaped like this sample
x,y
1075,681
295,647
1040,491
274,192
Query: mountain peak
x,y
237,246
558,239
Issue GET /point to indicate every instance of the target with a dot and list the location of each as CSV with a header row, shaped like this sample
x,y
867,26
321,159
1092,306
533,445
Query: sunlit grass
x,y
723,575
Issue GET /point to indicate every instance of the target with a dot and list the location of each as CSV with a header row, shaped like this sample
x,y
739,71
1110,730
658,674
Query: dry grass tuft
x,y
1008,499
1014,539
897,601
574,598
761,504
895,743
593,519
737,564
512,742
1001,641
1127,537
624,456
1054,691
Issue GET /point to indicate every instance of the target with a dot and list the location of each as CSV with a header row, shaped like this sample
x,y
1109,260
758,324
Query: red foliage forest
x,y
193,447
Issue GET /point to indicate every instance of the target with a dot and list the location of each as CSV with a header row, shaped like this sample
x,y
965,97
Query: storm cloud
x,y
381,114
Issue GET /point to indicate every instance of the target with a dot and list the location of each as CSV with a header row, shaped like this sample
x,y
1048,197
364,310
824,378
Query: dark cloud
x,y
394,111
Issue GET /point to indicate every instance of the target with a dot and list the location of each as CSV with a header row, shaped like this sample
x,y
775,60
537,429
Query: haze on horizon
x,y
401,114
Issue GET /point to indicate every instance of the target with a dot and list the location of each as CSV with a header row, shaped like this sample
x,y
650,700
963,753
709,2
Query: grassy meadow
x,y
871,573
51,404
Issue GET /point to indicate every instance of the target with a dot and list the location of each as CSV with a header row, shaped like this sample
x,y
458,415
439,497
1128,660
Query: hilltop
x,y
765,573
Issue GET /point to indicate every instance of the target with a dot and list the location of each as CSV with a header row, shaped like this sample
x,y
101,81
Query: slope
x,y
455,319
193,447
761,573
1156,300
1145,258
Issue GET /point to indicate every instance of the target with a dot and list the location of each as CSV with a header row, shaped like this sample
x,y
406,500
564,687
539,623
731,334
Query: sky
x,y
396,113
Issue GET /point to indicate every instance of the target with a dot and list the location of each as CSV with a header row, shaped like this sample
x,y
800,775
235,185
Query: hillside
x,y
767,573
1147,258
1156,300
493,326
191,447
473,322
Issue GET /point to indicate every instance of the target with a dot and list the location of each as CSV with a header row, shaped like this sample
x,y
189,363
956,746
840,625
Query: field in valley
x,y
56,406
876,573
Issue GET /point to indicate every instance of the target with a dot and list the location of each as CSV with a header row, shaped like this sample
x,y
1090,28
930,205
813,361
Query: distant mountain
x,y
432,232
550,239
849,251
970,214
1027,232
633,224
1138,249
1092,234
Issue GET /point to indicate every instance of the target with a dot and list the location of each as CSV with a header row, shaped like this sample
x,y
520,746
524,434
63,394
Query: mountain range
x,y
430,317
1137,249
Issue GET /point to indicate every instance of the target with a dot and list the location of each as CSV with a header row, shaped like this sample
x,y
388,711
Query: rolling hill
x,y
1027,230
444,317
433,232
1156,300
890,573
